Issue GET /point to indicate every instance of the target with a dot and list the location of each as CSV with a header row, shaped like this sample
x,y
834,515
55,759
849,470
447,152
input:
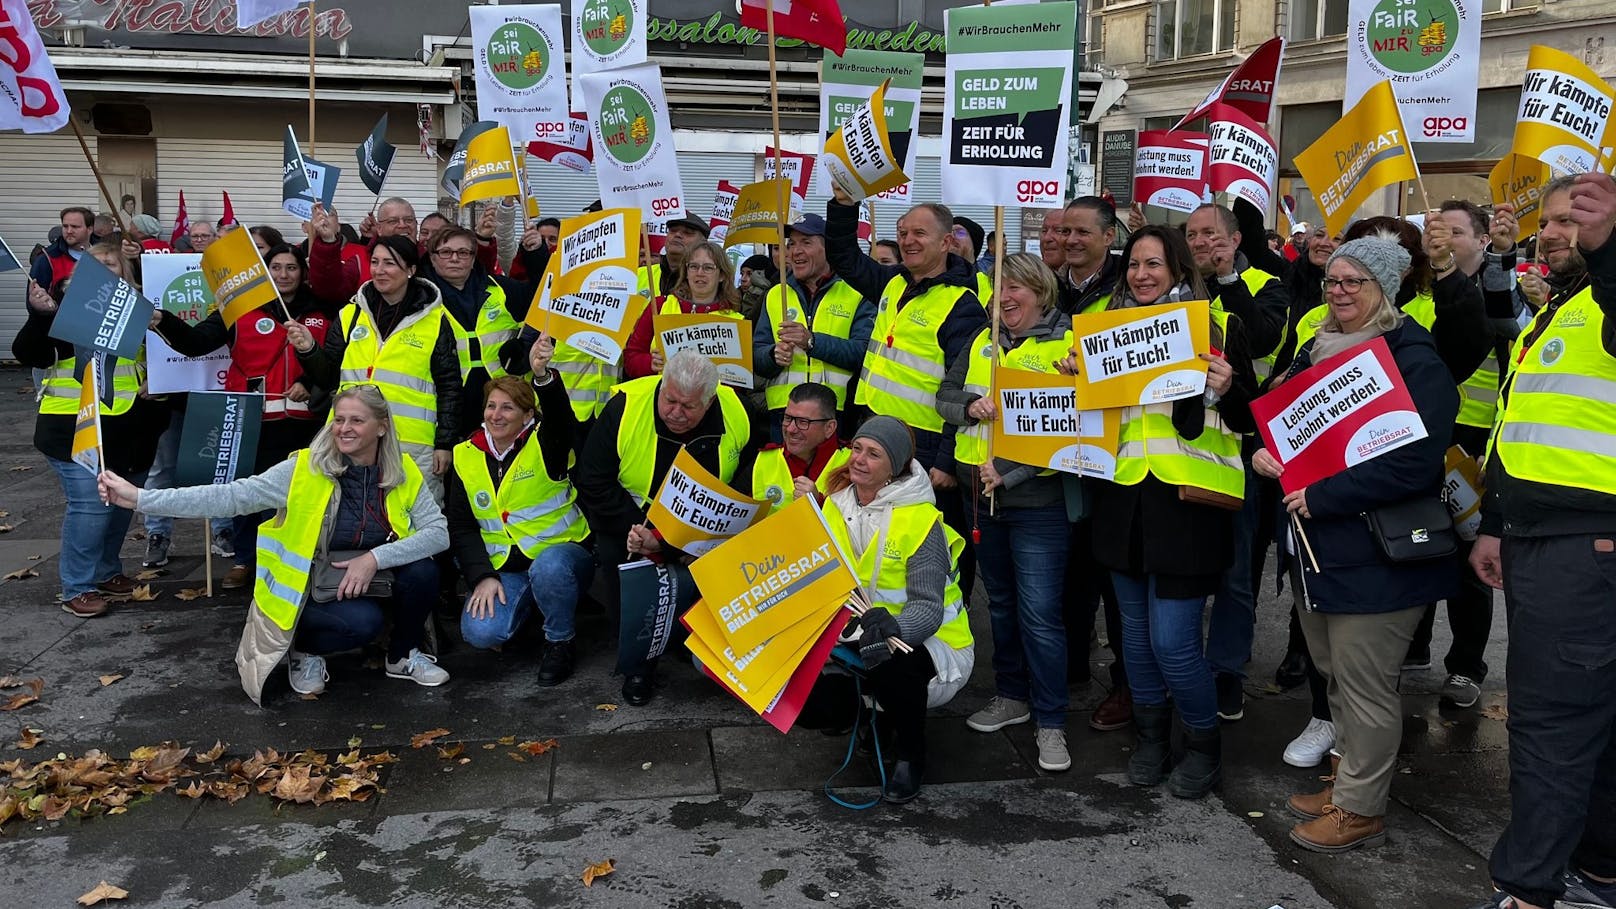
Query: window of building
x,y
1312,20
1188,28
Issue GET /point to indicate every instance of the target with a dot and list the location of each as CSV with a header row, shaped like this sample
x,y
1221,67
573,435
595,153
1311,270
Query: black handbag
x,y
327,577
1413,531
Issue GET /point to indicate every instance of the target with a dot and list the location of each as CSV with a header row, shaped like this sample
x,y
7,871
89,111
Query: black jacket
x,y
1263,314
1355,577
1073,299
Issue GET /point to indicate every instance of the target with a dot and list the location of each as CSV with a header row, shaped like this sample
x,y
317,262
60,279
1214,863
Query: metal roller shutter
x,y
250,171
563,193
43,174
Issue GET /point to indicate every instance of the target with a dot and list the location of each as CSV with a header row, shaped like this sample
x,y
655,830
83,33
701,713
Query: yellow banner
x,y
770,577
491,169
1564,118
236,273
1465,489
1365,151
86,450
724,340
858,155
1142,355
588,295
766,667
695,511
1039,424
761,695
1518,180
760,209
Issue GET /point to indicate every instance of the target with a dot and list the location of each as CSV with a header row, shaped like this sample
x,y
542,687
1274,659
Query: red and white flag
x,y
228,219
182,222
1243,159
31,97
1249,89
817,22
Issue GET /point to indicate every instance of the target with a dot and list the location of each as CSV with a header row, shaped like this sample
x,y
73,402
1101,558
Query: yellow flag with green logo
x,y
1367,150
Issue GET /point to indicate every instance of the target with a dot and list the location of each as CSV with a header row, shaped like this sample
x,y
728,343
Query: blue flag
x,y
8,259
102,311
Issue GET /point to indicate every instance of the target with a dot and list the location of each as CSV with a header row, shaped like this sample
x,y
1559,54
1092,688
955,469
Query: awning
x,y
110,71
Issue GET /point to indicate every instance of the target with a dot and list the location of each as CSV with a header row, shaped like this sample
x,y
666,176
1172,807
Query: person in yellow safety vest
x,y
90,567
882,514
1359,607
1257,298
1548,540
966,241
1088,228
707,286
485,312
926,318
814,326
811,451
395,335
1165,520
1020,510
352,493
644,426
514,524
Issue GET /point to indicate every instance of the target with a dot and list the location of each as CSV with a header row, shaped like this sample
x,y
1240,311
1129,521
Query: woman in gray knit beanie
x,y
1367,271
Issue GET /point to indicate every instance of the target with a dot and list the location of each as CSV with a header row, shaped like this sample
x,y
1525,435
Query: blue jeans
x,y
341,625
161,476
1233,624
92,533
554,581
1023,563
1161,640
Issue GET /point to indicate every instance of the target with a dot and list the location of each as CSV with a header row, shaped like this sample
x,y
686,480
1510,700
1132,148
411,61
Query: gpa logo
x,y
1445,126
1551,352
1032,190
661,207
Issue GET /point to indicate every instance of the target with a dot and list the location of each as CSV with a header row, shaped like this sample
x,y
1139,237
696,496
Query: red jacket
x,y
262,360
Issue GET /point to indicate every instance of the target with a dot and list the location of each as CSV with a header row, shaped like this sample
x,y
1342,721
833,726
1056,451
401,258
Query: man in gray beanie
x,y
894,438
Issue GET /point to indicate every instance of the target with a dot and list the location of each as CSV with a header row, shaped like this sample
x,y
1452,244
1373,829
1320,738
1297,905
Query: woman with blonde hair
x,y
350,546
706,285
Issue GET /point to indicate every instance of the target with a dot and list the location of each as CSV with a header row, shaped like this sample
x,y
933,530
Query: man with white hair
x,y
646,423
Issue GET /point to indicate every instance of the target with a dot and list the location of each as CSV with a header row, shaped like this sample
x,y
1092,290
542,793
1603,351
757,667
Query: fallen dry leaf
x,y
19,469
212,754
491,746
538,748
423,739
22,574
606,707
5,514
598,870
6,528
142,594
506,740
143,753
151,574
35,688
109,679
1495,712
452,752
29,738
517,756
103,890
35,558
10,681
190,593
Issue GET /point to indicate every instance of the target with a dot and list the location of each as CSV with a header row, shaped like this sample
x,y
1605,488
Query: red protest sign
x,y
1169,169
1349,409
723,210
795,166
1250,87
574,151
1244,161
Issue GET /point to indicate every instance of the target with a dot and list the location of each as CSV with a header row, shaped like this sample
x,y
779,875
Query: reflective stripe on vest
x,y
1559,421
833,316
1478,395
401,367
286,542
529,510
772,480
1148,443
59,391
971,442
588,380
900,379
479,345
1255,280
637,435
883,565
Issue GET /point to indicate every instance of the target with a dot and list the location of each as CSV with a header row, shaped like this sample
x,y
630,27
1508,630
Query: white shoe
x,y
1309,748
418,668
1052,752
307,673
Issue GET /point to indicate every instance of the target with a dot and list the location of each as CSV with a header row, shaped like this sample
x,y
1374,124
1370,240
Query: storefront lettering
x,y
198,17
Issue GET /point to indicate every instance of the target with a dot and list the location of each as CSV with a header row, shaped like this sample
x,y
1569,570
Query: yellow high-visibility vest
x,y
883,566
971,442
833,316
529,510
479,345
588,380
59,391
772,480
637,436
904,365
401,367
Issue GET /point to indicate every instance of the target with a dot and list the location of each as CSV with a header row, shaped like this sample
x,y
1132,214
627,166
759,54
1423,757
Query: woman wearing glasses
x,y
707,285
1359,608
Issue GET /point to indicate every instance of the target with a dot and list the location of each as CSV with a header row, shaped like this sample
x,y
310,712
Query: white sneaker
x,y
307,673
418,668
1052,753
1309,748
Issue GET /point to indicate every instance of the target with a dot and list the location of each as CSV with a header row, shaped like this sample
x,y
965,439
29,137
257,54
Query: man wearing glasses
x,y
811,450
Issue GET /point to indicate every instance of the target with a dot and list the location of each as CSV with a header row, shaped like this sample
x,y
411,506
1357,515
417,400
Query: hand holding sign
x,y
116,491
1593,207
540,354
1503,228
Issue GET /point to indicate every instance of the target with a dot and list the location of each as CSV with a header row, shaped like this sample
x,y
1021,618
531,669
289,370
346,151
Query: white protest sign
x,y
1142,355
521,69
174,282
696,511
635,164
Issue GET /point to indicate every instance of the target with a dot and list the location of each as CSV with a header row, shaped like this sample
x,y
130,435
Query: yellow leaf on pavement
x,y
109,679
103,890
423,739
598,870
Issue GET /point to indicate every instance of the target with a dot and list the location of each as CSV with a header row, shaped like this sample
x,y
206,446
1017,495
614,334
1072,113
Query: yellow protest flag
x,y
1365,151
766,667
1142,354
695,511
1565,115
858,155
87,450
1039,424
491,170
757,216
760,695
587,297
770,577
719,337
235,271
1518,181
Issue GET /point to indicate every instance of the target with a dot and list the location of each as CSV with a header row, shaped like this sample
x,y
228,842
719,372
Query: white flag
x,y
251,12
31,97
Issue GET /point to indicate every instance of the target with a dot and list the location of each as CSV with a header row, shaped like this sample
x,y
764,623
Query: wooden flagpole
x,y
993,339
95,169
774,114
311,76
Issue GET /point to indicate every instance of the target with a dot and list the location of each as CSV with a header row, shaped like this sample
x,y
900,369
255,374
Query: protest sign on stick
x,y
653,597
1565,113
1365,151
1142,355
520,69
586,293
102,311
860,157
716,336
219,438
1169,169
695,511
176,284
1518,181
236,273
1039,424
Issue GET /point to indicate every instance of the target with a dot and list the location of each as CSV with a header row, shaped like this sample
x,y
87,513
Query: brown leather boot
x,y
1339,830
1309,806
1115,712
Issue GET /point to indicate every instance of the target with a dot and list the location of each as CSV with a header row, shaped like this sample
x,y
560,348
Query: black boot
x,y
637,687
1152,752
1292,670
904,783
556,665
1202,766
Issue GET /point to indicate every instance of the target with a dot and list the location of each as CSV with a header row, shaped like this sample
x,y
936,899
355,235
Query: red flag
x,y
1250,88
182,222
229,218
814,21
